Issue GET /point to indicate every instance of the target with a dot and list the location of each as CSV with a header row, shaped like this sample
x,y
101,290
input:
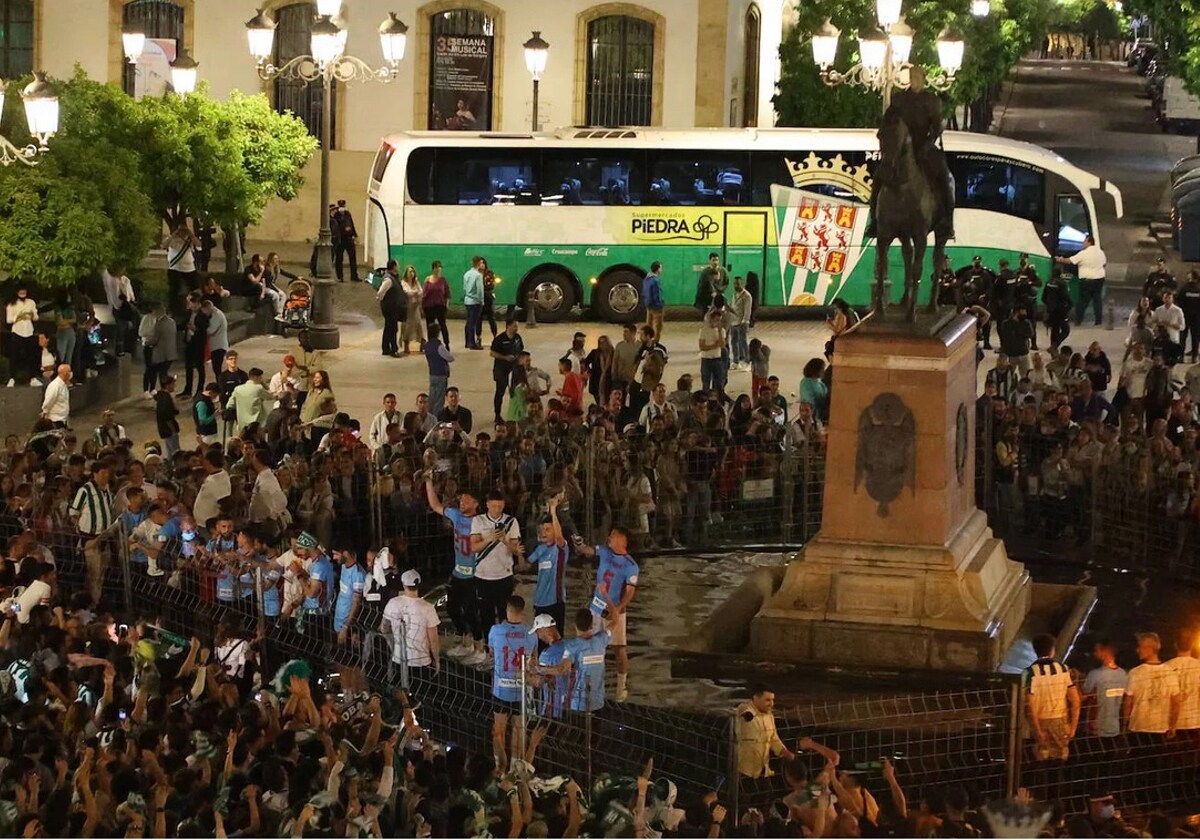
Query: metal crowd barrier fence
x,y
969,733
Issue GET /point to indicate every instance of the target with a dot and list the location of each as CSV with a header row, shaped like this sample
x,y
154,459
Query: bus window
x,y
484,176
1073,224
985,182
573,177
708,178
772,168
382,158
419,176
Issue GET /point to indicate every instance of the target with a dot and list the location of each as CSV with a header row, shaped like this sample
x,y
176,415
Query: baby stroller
x,y
299,304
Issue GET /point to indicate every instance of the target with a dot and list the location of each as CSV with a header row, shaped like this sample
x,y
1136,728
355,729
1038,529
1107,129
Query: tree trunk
x,y
232,242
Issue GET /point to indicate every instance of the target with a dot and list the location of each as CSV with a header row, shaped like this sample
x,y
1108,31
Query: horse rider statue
x,y
920,110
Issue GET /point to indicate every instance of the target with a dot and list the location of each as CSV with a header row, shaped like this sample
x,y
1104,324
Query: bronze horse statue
x,y
908,209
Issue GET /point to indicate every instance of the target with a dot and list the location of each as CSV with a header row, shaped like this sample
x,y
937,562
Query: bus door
x,y
744,248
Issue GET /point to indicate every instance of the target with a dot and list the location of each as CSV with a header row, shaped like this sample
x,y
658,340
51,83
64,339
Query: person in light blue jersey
x,y
552,674
616,585
463,600
318,589
586,653
508,641
550,560
349,595
1106,686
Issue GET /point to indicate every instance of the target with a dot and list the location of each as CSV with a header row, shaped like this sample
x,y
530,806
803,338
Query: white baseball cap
x,y
410,578
541,622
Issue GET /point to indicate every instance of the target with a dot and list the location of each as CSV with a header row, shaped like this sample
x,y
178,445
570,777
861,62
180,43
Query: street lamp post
x,y
884,54
537,51
41,114
326,63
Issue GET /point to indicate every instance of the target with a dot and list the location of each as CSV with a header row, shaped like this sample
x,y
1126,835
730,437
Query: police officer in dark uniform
x,y
920,110
1004,293
1028,284
947,284
1158,280
1188,299
1056,297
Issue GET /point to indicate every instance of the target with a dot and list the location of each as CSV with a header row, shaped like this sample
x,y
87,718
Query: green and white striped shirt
x,y
93,507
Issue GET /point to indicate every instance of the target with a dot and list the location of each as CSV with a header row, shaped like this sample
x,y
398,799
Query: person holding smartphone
x,y
496,541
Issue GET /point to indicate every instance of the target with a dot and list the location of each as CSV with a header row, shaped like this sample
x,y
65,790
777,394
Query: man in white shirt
x,y
119,293
1152,698
713,336
495,539
1187,671
37,592
1133,377
1169,316
377,435
412,624
268,502
285,377
213,489
56,406
1092,264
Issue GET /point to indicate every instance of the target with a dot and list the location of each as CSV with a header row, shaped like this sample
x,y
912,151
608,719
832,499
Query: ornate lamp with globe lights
x,y
884,53
41,115
326,63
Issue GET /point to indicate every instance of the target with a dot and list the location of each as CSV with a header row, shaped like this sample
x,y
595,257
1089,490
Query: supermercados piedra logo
x,y
673,226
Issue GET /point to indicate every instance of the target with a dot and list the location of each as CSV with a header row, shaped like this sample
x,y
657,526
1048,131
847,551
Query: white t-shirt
x,y
231,655
1092,262
1187,671
410,620
711,335
1151,685
1171,317
24,326
494,562
36,593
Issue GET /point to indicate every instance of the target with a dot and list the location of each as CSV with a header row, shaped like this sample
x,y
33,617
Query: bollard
x,y
1109,317
530,310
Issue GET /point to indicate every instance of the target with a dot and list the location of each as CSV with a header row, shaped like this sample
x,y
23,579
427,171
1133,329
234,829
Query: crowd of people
x,y
1080,446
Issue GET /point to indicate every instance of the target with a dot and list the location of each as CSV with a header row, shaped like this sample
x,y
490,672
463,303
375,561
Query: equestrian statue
x,y
912,192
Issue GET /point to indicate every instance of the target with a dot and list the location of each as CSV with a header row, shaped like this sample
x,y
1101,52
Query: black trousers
x,y
1060,328
391,326
340,250
435,316
24,356
493,600
464,607
488,313
193,362
1191,335
218,361
498,396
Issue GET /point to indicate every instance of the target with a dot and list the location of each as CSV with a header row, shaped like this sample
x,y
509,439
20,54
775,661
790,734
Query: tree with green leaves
x,y
134,165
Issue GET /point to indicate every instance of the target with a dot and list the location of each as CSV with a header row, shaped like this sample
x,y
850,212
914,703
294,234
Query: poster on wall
x,y
152,73
460,83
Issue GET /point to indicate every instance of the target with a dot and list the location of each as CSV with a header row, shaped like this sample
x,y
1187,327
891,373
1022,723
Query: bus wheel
x,y
618,297
553,295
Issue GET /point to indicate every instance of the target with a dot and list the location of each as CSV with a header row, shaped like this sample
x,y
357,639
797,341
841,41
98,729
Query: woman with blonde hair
x,y
413,331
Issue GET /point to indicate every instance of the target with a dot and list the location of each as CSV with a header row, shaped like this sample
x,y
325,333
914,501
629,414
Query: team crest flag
x,y
821,239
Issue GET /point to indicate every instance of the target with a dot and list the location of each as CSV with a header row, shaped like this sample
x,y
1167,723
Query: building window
x,y
461,70
296,96
751,38
620,71
161,20
16,38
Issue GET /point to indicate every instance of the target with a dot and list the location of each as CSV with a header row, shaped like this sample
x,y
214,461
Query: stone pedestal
x,y
905,571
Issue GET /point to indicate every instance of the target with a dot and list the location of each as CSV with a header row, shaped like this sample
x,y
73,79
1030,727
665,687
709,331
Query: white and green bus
x,y
575,218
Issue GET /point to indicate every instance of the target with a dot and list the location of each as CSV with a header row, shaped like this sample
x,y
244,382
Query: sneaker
x,y
35,382
155,572
12,383
479,657
622,695
149,395
459,651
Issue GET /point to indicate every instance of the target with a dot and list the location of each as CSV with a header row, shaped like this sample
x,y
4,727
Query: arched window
x,y
16,38
752,40
292,38
160,20
620,71
461,70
